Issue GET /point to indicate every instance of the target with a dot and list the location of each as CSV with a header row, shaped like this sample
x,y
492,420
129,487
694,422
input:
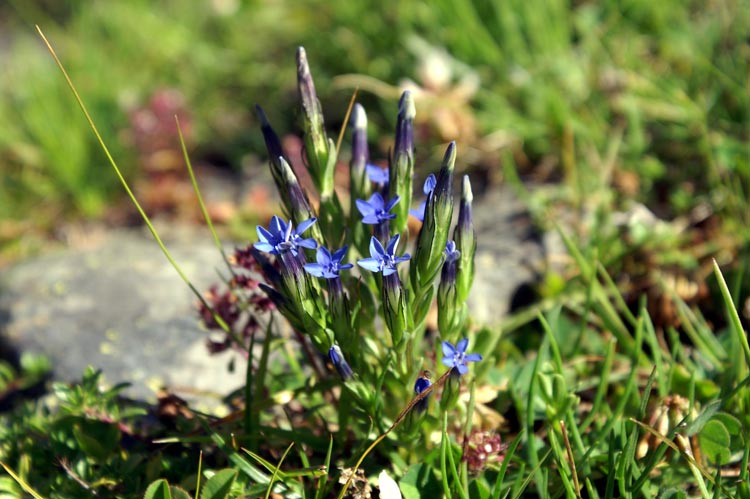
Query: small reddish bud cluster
x,y
483,448
239,306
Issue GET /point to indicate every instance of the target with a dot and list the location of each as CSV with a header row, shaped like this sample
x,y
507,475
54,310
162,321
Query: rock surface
x,y
119,306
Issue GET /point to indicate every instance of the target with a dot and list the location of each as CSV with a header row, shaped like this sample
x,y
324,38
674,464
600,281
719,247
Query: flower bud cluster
x,y
307,262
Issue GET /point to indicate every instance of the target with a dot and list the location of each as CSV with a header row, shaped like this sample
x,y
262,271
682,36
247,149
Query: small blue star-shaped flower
x,y
281,237
376,174
328,265
375,210
383,260
456,357
429,185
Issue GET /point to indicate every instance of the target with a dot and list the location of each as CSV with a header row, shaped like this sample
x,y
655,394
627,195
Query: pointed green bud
x,y
433,235
317,145
359,185
395,308
466,242
451,390
449,307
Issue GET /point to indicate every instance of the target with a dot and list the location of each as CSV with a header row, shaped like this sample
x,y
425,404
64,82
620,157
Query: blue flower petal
x,y
461,345
308,243
371,219
277,226
418,213
371,264
339,254
377,174
448,349
404,258
305,225
376,249
345,266
323,256
263,246
473,357
376,201
429,184
448,361
462,368
393,202
264,235
393,244
364,207
315,269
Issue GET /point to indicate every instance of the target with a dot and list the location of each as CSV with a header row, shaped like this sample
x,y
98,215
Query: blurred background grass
x,y
609,102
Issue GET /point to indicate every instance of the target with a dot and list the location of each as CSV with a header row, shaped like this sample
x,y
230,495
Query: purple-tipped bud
x,y
449,308
273,144
293,198
407,111
317,145
423,383
340,363
402,166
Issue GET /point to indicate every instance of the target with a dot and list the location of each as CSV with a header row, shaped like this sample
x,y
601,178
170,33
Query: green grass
x,y
628,378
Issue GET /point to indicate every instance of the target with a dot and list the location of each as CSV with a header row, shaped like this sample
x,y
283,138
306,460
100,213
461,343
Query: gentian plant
x,y
363,326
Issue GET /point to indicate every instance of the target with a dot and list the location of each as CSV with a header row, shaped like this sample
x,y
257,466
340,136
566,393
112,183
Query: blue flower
x,y
451,253
383,260
429,185
456,357
281,237
376,174
338,361
375,210
328,265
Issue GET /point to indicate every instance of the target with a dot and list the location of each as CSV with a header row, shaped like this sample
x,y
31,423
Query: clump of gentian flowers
x,y
352,282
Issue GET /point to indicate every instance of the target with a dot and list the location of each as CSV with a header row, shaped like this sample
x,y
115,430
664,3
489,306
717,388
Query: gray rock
x,y
510,256
120,307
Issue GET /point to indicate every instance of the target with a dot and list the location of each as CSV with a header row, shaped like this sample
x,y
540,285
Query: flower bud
x,y
317,146
437,219
423,383
359,185
449,307
451,390
294,198
402,167
394,308
339,362
466,243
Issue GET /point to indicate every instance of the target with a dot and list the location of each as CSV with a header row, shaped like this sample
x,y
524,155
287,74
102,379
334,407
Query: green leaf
x,y
706,414
673,494
97,439
479,489
219,485
158,489
714,441
178,493
419,482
